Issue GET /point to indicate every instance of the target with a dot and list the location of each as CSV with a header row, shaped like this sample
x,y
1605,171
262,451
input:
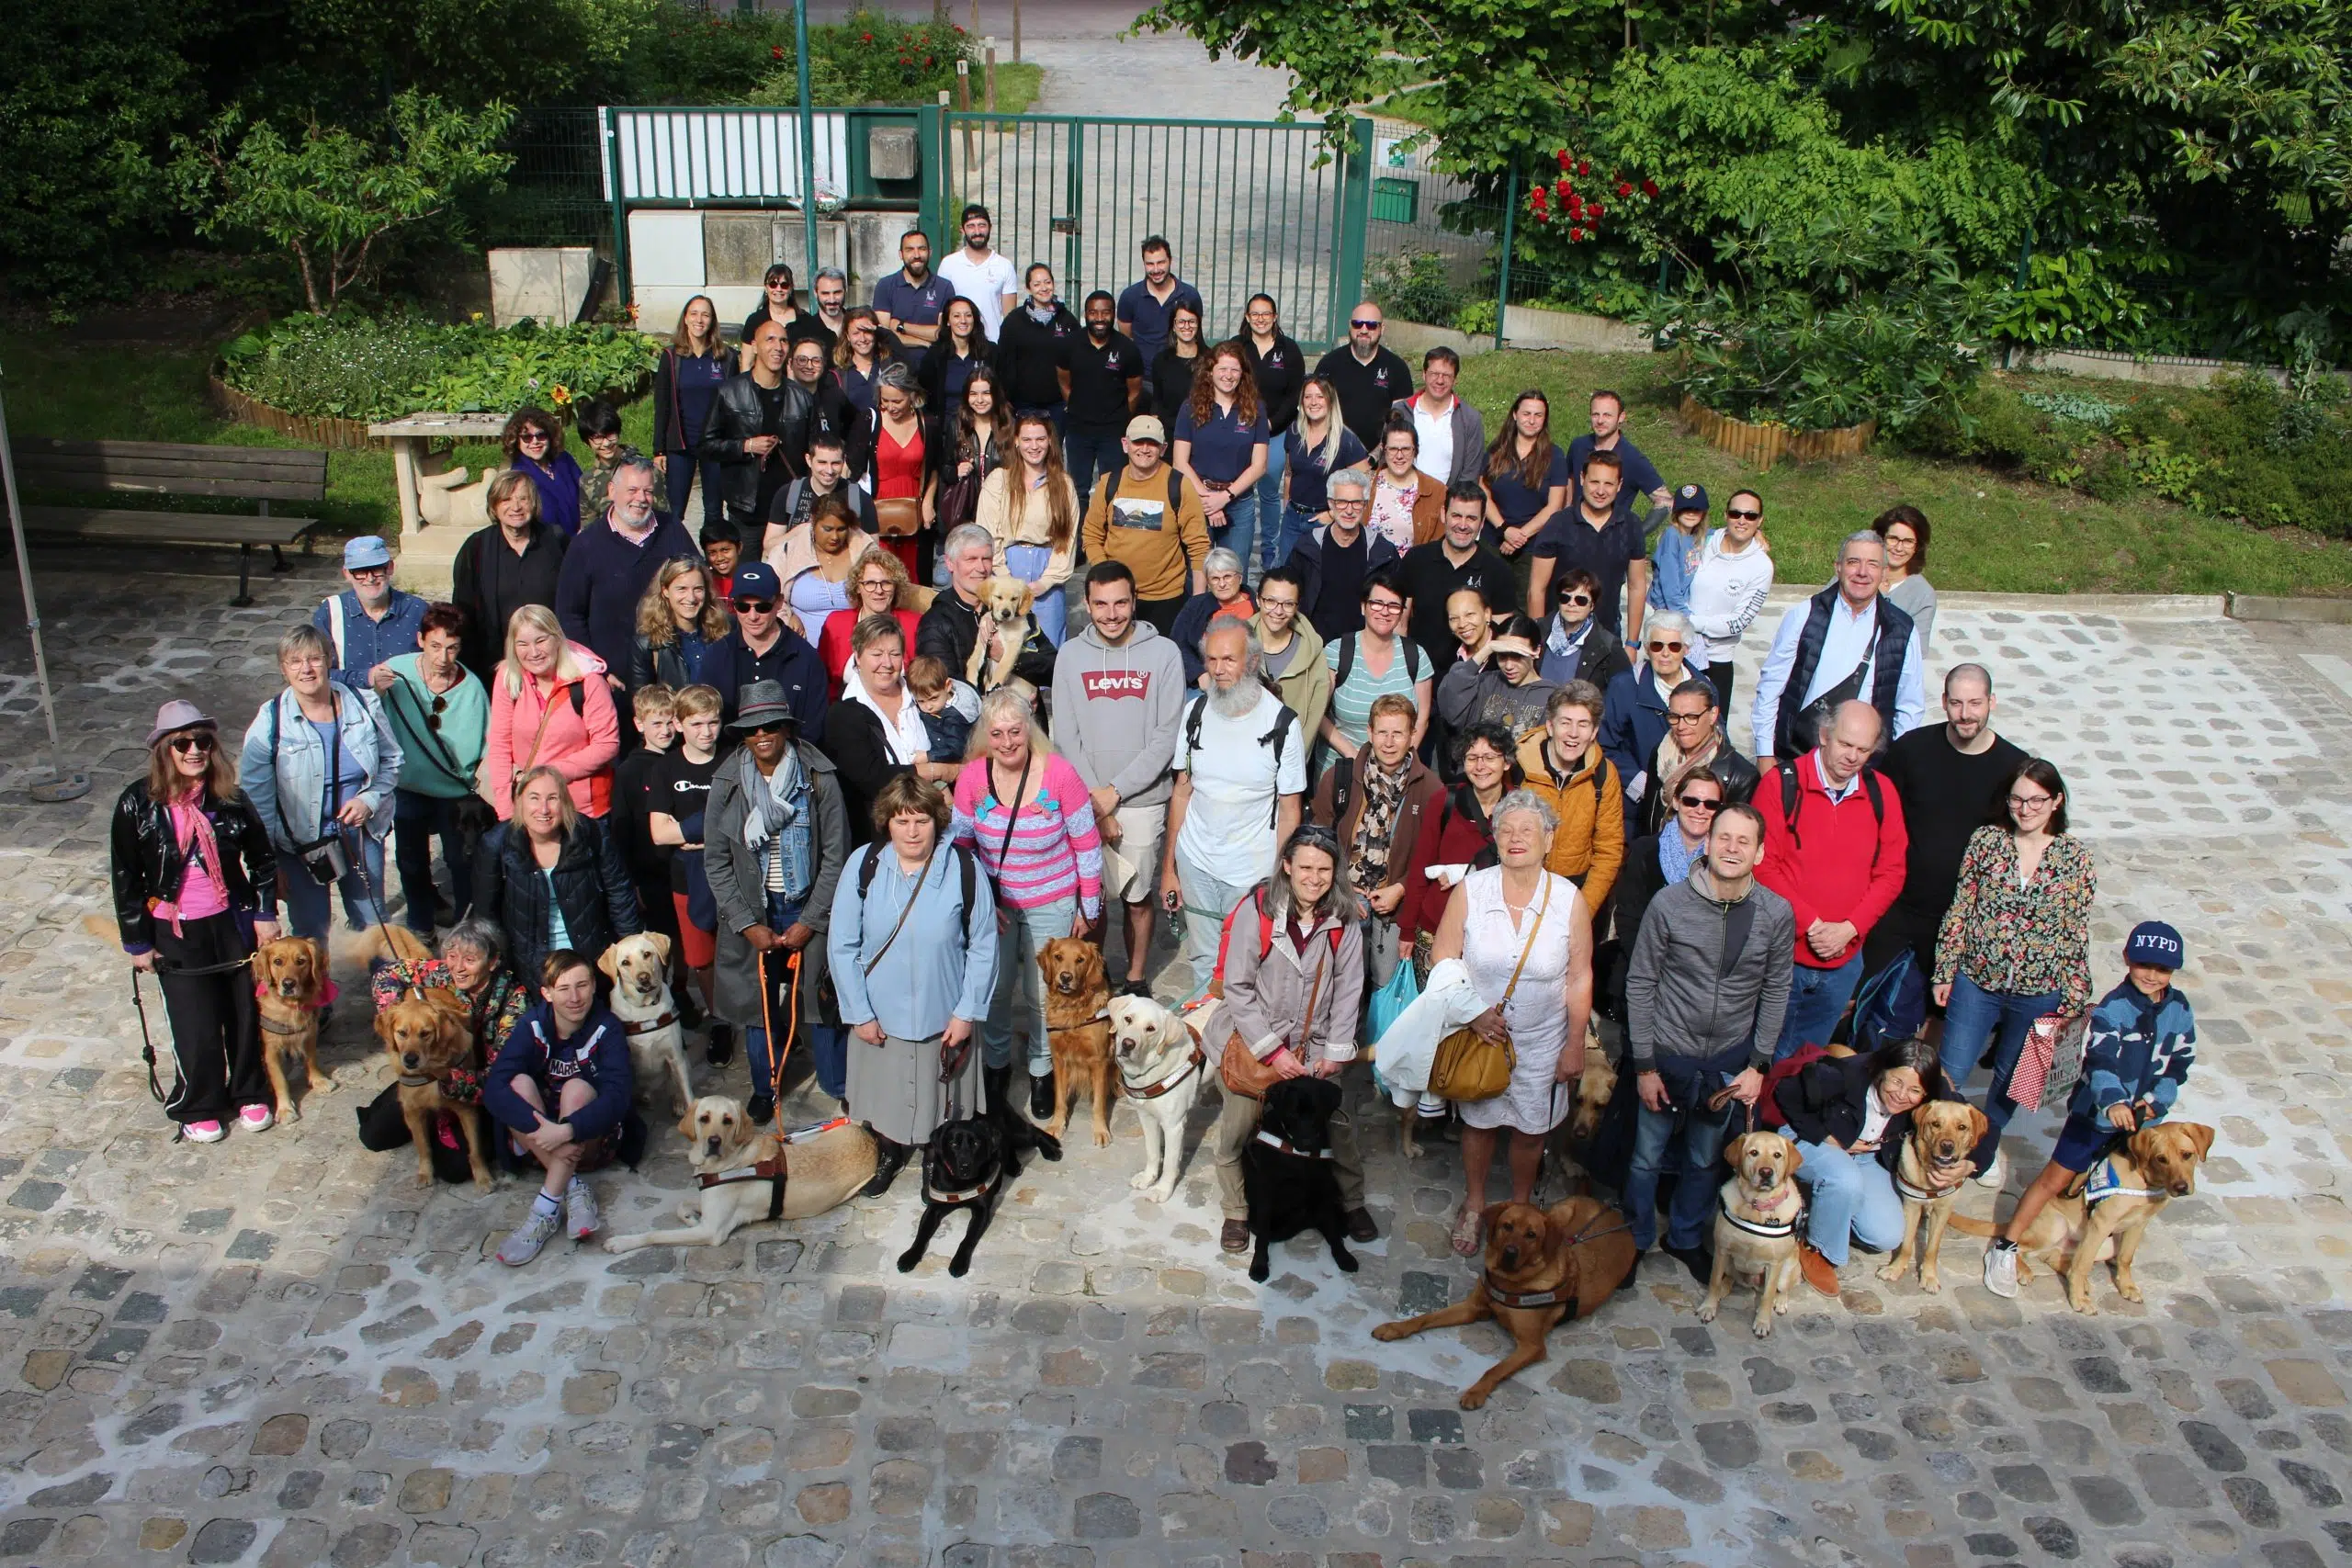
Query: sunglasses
x,y
1575,598
191,745
1741,512
532,438
1698,803
774,727
1667,646
1365,326
753,606
433,717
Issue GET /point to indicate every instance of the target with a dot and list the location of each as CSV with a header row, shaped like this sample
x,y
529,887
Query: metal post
x,y
1510,226
620,207
1016,32
990,71
808,140
60,784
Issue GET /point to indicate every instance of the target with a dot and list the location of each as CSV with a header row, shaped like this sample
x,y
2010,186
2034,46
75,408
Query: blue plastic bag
x,y
1385,1006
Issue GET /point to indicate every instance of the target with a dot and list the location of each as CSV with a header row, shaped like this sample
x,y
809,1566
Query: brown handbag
x,y
1469,1066
898,518
1242,1073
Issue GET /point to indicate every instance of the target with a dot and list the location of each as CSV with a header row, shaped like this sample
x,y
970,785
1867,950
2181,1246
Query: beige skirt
x,y
894,1087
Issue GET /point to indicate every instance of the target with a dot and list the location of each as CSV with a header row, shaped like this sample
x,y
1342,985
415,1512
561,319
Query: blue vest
x,y
1886,666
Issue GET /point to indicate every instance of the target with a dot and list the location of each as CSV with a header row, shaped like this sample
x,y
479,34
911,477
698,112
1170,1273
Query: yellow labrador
x,y
1756,1229
638,967
748,1174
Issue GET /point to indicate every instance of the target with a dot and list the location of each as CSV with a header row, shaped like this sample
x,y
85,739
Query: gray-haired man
x,y
1844,643
1336,557
955,622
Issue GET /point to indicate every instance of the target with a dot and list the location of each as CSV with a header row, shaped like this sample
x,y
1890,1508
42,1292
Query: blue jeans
x,y
1974,1017
1239,531
1269,497
310,907
826,1046
1817,1000
1296,526
1028,562
1019,1005
1089,455
416,818
1690,1220
1853,1199
679,477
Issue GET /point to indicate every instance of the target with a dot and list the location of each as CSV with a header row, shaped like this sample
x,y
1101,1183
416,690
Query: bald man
x,y
1370,378
758,431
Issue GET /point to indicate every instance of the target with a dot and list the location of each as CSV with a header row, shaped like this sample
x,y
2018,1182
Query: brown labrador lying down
x,y
1756,1236
1928,1176
2154,1166
1542,1266
747,1174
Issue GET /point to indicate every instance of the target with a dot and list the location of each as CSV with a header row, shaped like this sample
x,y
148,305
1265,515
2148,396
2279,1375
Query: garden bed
x,y
1761,446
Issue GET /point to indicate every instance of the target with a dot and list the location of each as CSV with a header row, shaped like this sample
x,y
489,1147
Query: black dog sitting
x,y
1287,1174
968,1165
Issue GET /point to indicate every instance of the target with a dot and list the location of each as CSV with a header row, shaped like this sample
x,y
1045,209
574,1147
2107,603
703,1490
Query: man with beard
x,y
1240,777
606,571
909,301
980,274
1101,383
832,417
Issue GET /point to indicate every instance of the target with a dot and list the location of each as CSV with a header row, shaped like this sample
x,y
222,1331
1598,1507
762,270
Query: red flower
x,y
1649,188
1575,203
959,32
865,38
1560,188
775,51
1575,233
1596,210
1564,160
1583,168
1625,187
930,60
1535,199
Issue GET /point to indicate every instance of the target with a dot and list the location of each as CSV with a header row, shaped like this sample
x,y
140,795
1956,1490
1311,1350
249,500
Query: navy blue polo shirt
x,y
919,303
1221,448
1513,499
1641,474
1149,318
1606,552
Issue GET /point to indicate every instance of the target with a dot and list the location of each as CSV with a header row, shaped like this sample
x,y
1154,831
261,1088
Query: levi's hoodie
x,y
1116,711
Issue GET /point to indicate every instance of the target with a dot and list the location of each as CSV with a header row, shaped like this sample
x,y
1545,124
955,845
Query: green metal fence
x,y
1246,207
555,189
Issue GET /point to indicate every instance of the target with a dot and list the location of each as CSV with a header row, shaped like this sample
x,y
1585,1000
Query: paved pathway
x,y
278,1350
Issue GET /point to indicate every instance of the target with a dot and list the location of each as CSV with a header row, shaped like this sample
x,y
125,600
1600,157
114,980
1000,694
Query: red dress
x,y
898,476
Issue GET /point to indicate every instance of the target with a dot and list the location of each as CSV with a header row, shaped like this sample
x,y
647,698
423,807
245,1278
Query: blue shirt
x,y
1641,475
367,643
1514,500
1309,477
351,772
1145,320
918,304
943,963
1223,447
2137,1049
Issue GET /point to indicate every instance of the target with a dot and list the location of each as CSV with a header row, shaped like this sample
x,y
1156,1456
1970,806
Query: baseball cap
x,y
365,551
757,580
1690,497
1144,427
2153,941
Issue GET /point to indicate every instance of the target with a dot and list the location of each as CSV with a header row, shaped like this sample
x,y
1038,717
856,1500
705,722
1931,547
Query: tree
x,y
333,199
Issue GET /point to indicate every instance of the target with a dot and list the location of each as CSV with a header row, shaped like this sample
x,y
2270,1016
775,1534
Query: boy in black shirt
x,y
678,791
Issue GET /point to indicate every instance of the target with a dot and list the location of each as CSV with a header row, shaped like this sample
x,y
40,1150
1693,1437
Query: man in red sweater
x,y
1834,847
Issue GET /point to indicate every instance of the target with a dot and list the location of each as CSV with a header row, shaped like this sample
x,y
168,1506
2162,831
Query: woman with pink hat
x,y
195,891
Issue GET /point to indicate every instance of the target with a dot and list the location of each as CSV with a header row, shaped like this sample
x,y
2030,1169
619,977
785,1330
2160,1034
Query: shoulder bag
x,y
1469,1066
1242,1073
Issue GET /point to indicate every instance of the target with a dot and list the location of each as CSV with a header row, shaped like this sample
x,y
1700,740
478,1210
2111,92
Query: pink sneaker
x,y
204,1132
256,1119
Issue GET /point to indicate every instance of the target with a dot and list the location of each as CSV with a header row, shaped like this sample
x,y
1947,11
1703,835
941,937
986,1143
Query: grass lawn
x,y
1992,532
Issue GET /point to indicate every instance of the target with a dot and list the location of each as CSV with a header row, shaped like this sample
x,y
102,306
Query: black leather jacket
x,y
735,418
148,863
592,883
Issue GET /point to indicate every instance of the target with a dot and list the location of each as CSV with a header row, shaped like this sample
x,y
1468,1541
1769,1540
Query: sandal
x,y
1467,1228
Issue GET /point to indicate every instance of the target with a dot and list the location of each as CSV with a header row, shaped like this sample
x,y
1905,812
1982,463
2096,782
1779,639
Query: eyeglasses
x,y
191,745
1699,717
2027,802
753,606
1667,646
1387,606
1741,512
1575,599
376,572
1365,326
1698,803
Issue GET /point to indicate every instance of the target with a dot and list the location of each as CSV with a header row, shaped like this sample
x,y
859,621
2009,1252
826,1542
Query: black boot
x,y
719,1049
997,1082
1041,1097
890,1158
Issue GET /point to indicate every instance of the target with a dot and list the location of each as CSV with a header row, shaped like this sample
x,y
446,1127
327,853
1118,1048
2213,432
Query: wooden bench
x,y
259,474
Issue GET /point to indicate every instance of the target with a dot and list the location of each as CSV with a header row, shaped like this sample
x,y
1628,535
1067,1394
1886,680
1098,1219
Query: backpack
x,y
1284,719
1348,661
1893,1004
1265,938
965,872
1768,1104
1175,493
1790,793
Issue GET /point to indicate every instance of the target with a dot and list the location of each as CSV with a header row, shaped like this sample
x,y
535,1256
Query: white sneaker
x,y
528,1239
2001,1270
1998,1176
580,1215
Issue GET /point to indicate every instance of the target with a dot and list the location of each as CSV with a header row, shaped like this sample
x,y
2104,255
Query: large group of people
x,y
1346,690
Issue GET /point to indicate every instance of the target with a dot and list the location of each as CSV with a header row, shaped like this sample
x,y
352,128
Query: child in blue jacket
x,y
2143,1041
561,1083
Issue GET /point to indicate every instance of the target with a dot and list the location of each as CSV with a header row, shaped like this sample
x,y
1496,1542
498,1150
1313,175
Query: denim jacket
x,y
288,794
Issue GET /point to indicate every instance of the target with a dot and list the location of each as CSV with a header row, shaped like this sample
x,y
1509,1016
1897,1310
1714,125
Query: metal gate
x,y
1247,207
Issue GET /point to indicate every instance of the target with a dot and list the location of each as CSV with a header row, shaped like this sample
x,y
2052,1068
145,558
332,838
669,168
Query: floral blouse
x,y
2021,940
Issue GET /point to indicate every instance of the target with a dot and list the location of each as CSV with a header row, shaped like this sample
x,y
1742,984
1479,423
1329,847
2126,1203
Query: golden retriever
x,y
1934,1161
748,1174
290,987
1005,608
428,1034
1079,1026
1762,1193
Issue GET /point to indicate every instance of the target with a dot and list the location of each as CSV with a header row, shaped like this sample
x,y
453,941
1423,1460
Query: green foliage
x,y
1476,318
334,201
2082,410
354,366
1413,285
2071,299
870,58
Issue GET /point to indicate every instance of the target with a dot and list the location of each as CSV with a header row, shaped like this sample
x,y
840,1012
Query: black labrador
x,y
1288,1172
968,1165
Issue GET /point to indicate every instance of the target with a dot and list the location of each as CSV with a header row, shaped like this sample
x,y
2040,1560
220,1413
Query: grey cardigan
x,y
735,880
1266,1001
1681,997
1469,437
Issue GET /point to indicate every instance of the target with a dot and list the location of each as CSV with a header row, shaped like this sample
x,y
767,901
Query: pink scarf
x,y
201,851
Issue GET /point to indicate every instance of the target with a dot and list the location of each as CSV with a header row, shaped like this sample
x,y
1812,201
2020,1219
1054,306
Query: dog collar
x,y
328,991
1503,1298
2105,1184
270,1028
648,1025
416,1081
1134,1091
933,1195
1771,1229
1266,1137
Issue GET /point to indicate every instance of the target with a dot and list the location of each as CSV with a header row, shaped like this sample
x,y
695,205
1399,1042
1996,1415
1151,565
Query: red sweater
x,y
1447,838
1850,866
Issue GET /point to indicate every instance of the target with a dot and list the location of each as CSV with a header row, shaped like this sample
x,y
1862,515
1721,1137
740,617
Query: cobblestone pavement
x,y
278,1351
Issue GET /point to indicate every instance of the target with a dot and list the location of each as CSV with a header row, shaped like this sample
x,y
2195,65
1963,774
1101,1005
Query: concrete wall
x,y
2160,370
1525,327
546,285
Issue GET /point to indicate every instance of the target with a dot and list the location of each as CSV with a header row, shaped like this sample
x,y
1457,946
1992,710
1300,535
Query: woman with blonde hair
x,y
553,878
685,383
549,708
195,891
517,560
816,562
878,586
677,621
1030,508
1316,446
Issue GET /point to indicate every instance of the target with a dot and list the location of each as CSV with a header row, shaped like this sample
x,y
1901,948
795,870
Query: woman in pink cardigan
x,y
550,706
1027,814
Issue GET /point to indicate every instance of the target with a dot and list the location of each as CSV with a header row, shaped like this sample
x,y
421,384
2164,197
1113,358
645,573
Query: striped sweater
x,y
1053,852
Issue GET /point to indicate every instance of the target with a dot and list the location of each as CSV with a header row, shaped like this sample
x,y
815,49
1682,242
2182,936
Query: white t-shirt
x,y
1436,430
1230,822
985,283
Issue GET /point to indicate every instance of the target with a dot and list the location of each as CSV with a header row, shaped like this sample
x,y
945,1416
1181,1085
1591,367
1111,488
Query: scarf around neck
x,y
773,801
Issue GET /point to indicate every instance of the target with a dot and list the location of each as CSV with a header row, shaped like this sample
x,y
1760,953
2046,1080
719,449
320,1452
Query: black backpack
x,y
1175,493
1790,793
1284,720
965,872
1348,661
